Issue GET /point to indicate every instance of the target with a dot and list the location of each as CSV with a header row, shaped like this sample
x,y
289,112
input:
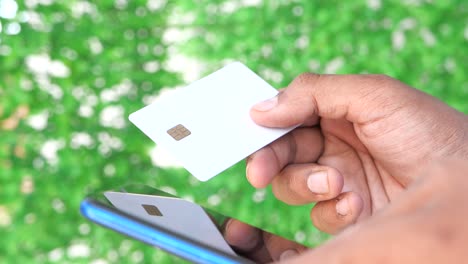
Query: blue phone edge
x,y
153,235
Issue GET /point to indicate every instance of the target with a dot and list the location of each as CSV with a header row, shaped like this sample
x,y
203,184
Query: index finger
x,y
302,145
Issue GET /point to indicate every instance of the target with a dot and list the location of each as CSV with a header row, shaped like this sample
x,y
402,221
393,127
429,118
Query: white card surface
x,y
215,111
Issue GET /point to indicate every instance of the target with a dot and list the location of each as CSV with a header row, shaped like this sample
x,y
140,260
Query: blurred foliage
x,y
76,69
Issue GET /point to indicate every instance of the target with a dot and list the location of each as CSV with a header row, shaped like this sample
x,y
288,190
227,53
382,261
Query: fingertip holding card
x,y
206,125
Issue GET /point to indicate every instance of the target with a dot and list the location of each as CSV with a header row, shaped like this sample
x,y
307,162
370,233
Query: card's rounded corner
x,y
131,117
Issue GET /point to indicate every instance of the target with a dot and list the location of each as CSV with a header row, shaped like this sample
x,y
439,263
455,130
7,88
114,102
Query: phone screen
x,y
172,213
181,219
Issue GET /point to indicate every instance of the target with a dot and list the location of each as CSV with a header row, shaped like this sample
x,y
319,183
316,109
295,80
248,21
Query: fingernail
x,y
342,207
247,165
252,240
288,254
318,182
227,224
266,105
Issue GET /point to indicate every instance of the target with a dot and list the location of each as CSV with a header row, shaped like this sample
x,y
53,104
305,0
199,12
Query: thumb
x,y
357,98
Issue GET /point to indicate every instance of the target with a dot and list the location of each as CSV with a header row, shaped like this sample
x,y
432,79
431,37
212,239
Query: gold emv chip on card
x,y
179,132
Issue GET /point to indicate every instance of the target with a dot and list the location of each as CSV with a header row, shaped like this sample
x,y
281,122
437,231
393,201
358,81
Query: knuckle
x,y
376,85
305,78
381,93
382,79
284,189
300,96
318,218
292,180
276,189
325,218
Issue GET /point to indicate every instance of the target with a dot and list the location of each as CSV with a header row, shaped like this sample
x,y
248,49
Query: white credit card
x,y
206,125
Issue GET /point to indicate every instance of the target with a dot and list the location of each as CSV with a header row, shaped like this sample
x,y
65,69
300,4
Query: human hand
x,y
426,224
362,142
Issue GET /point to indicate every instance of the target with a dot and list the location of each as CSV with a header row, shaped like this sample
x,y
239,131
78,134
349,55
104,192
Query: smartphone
x,y
175,225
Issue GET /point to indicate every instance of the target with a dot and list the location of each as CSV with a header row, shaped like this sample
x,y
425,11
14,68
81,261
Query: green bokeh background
x,y
133,49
